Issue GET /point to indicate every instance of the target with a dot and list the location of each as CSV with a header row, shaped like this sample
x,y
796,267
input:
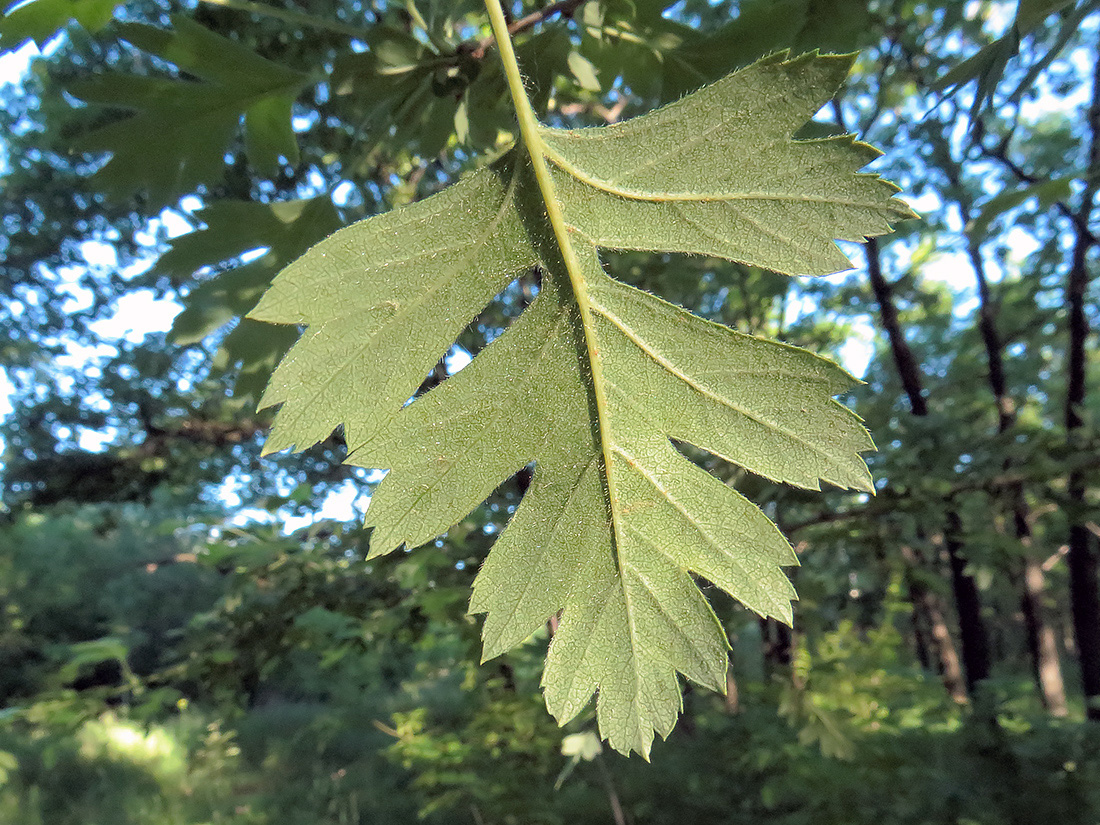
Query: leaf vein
x,y
673,370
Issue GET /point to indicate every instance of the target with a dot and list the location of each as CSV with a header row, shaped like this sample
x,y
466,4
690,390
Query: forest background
x,y
192,634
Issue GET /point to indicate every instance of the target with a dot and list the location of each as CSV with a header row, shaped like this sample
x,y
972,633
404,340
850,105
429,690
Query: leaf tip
x,y
276,444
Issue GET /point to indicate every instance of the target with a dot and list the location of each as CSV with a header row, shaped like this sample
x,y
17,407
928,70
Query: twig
x,y
386,729
1057,556
562,7
1000,153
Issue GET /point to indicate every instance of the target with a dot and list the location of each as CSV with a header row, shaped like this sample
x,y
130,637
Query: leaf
x,y
40,20
191,121
232,228
987,66
92,652
583,71
595,379
1030,14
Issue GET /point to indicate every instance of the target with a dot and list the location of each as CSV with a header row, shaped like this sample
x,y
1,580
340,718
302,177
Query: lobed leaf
x,y
596,379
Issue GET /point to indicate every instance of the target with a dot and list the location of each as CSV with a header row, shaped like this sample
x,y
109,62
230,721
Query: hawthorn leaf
x,y
594,382
717,174
382,300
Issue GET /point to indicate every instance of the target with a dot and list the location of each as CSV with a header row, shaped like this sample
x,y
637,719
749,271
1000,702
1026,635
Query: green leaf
x,y
1030,14
232,228
596,379
583,71
267,133
987,66
191,121
665,182
92,652
42,19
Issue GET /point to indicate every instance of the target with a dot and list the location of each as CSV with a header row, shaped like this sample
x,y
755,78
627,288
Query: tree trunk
x,y
1082,557
778,642
733,696
922,649
1046,665
1041,639
906,364
975,641
929,610
1085,602
968,601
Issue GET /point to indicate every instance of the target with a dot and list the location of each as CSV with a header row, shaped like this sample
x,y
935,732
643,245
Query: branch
x,y
909,371
204,431
906,364
609,114
987,307
1077,279
1000,153
889,500
565,8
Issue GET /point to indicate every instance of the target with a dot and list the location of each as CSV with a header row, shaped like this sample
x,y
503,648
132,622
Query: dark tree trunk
x,y
921,627
906,364
974,637
1085,603
1046,664
1082,557
778,641
968,602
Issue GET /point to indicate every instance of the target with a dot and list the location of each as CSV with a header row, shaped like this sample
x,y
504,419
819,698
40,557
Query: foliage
x,y
90,591
186,772
192,121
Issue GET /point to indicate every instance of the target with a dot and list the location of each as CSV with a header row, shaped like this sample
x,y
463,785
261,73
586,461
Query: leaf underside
x,y
615,522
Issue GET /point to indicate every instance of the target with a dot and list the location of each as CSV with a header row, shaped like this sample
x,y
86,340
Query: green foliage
x,y
42,19
595,378
987,67
364,704
187,664
191,121
497,758
90,597
287,230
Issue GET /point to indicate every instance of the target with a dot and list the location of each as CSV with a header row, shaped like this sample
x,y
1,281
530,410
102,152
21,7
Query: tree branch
x,y
565,8
203,431
1000,154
